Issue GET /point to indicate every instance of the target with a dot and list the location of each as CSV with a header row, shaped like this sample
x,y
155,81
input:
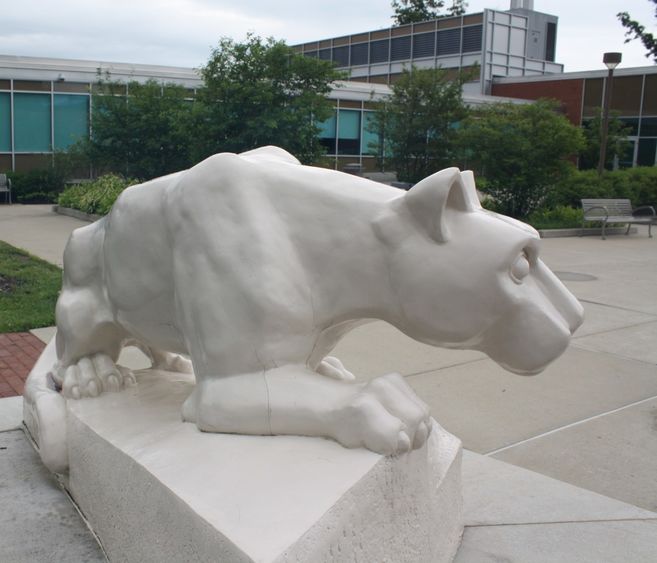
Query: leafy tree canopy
x,y
412,11
141,131
521,150
617,143
637,31
261,92
418,122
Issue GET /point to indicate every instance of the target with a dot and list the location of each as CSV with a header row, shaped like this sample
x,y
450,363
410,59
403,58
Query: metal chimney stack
x,y
525,4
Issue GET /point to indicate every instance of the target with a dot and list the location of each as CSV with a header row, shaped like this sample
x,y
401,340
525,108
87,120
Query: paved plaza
x,y
560,466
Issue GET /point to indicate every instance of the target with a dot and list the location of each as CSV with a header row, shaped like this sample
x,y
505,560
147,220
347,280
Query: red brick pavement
x,y
18,353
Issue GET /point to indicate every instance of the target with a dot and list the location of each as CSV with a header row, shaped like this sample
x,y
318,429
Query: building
x,y
633,98
45,103
518,42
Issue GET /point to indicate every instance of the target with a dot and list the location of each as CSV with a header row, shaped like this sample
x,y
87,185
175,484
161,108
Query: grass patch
x,y
29,288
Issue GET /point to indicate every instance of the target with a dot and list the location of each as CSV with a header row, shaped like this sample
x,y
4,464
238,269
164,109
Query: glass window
x,y
649,127
311,54
349,131
632,123
379,51
400,48
359,54
424,45
650,95
626,95
370,135
472,39
32,122
592,96
5,122
341,56
449,42
327,134
325,54
646,153
71,119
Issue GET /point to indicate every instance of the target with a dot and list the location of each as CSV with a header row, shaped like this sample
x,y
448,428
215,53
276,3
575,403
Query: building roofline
x,y
631,71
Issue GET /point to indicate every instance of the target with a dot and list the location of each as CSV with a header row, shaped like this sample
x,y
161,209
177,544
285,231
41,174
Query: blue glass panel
x,y
349,132
5,122
327,128
369,134
32,122
71,119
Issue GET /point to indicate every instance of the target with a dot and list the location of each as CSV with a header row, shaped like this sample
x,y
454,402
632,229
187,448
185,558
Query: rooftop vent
x,y
525,4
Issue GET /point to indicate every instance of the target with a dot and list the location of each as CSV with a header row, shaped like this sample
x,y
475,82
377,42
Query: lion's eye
x,y
520,268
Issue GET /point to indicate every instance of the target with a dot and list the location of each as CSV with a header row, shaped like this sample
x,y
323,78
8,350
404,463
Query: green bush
x,y
638,184
36,186
95,197
560,217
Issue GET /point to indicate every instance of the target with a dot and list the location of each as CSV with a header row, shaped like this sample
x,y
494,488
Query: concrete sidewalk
x,y
588,420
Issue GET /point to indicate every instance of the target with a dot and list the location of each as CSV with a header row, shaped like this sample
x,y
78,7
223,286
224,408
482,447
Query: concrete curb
x,y
595,231
91,217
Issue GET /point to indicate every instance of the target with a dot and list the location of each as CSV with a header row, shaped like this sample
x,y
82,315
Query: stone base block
x,y
156,489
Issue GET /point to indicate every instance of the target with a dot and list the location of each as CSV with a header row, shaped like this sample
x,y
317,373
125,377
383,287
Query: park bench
x,y
5,187
607,211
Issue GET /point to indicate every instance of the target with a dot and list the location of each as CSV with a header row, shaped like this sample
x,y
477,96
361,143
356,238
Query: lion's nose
x,y
562,299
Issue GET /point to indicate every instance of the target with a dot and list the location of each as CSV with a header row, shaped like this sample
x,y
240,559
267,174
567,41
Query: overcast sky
x,y
182,32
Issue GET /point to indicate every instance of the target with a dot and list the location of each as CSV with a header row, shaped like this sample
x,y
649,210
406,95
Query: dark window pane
x,y
649,127
400,48
449,42
650,95
349,132
424,45
626,95
325,54
5,163
379,51
312,54
592,96
359,54
646,156
472,38
341,56
633,124
551,41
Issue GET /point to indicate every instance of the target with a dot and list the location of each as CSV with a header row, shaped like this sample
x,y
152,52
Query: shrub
x,y
97,196
36,186
638,184
561,217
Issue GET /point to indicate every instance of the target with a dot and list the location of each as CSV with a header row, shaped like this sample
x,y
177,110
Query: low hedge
x,y
36,186
639,185
95,197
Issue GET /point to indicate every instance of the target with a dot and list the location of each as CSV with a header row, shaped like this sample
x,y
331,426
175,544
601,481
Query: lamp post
x,y
611,60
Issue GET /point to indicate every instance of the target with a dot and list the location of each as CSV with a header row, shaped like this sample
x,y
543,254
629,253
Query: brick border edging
x,y
91,217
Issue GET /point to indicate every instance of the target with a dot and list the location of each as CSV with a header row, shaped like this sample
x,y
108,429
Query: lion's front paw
x,y
332,367
385,416
92,375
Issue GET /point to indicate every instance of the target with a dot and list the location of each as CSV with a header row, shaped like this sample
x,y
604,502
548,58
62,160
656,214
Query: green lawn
x,y
28,290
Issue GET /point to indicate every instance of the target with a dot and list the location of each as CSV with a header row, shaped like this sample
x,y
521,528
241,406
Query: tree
x,y
418,122
637,31
139,130
262,92
412,11
521,150
617,143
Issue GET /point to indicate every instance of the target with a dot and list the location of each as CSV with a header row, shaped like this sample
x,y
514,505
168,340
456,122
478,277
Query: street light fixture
x,y
611,61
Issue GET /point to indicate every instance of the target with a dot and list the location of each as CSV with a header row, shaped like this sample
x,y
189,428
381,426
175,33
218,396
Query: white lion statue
x,y
254,266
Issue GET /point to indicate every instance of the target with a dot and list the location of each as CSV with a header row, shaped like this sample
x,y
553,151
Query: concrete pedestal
x,y
156,489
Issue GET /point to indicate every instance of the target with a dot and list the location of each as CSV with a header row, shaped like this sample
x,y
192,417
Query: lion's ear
x,y
447,190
